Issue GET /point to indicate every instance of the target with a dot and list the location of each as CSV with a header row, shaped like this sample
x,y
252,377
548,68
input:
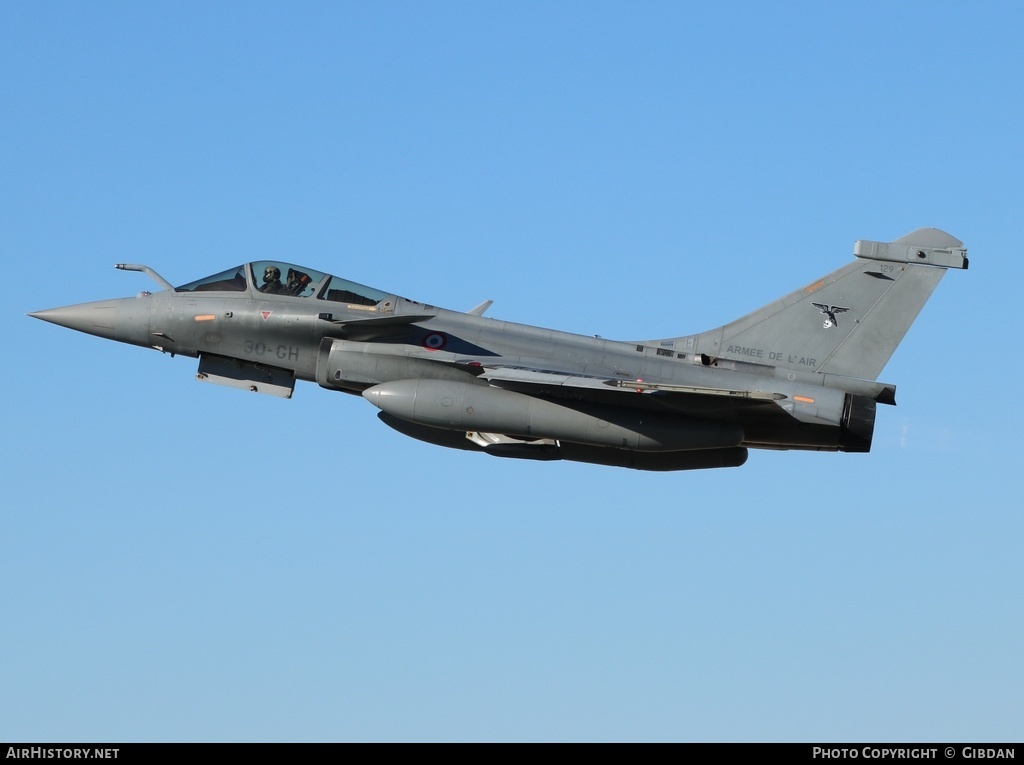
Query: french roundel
x,y
435,341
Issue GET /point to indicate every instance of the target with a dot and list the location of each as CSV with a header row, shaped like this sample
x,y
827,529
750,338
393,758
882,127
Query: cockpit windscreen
x,y
273,277
232,280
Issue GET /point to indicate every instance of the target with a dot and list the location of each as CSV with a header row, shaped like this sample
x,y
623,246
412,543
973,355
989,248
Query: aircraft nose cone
x,y
123,319
99,318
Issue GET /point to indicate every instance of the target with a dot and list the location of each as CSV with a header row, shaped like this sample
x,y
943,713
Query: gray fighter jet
x,y
778,378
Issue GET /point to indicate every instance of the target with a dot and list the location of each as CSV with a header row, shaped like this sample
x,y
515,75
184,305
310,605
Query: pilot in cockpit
x,y
297,282
271,280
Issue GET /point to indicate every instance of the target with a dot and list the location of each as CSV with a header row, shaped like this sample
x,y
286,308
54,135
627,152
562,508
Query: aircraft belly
x,y
698,459
470,407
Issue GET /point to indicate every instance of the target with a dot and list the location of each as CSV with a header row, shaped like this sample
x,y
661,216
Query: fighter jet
x,y
778,378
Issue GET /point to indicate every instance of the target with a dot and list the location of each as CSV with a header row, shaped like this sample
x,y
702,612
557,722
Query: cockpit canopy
x,y
272,277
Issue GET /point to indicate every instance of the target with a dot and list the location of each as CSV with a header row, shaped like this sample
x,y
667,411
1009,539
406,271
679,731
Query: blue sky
x,y
185,562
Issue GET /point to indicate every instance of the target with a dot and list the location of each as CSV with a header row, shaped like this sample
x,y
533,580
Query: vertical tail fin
x,y
849,322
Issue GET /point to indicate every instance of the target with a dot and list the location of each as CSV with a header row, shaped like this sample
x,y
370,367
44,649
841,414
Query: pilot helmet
x,y
271,274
